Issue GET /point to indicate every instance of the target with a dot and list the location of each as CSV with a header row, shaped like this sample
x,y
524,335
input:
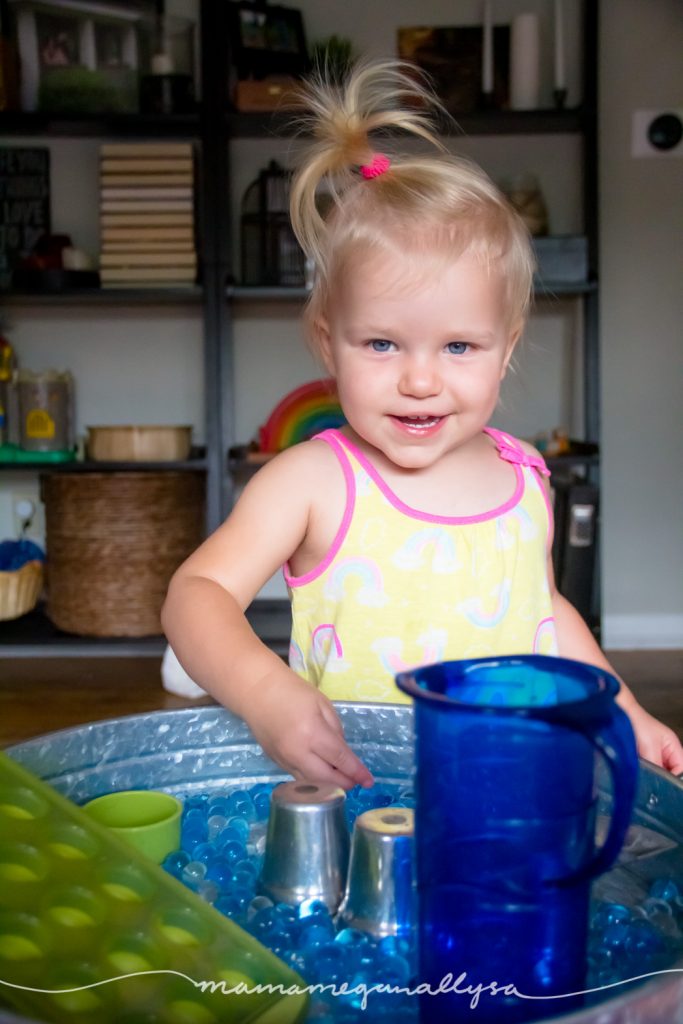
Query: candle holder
x,y
560,97
487,101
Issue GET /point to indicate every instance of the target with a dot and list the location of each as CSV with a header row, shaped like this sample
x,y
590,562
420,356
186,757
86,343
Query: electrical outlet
x,y
28,508
657,133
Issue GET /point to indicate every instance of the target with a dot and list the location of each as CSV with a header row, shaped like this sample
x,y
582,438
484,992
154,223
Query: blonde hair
x,y
444,204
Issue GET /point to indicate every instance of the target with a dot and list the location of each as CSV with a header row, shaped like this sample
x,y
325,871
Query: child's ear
x,y
323,342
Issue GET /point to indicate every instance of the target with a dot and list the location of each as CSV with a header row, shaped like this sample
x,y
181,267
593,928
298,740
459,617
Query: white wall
x,y
641,330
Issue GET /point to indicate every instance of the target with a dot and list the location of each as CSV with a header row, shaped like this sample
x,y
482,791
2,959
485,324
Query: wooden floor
x,y
43,694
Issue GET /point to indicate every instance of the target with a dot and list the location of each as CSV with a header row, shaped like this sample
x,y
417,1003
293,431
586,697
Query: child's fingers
x,y
672,756
333,750
331,717
315,769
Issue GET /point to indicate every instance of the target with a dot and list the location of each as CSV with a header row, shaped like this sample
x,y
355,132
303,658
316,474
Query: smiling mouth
x,y
419,422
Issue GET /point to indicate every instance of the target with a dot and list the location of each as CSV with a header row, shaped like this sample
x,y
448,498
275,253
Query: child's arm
x,y
656,741
203,617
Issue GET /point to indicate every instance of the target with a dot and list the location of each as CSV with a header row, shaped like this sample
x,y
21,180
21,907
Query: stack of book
x,y
147,215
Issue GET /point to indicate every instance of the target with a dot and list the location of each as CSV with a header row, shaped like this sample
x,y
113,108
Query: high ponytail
x,y
340,120
427,203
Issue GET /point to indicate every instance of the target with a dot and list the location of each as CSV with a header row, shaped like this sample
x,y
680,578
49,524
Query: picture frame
x,y
452,58
266,40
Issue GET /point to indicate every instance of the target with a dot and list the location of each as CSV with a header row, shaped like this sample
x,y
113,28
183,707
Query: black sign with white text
x,y
24,204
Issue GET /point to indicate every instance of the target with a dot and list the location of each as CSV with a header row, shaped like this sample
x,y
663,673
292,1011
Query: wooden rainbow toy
x,y
302,413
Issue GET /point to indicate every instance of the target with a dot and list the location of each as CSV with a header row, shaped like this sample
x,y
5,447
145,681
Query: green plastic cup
x,y
147,819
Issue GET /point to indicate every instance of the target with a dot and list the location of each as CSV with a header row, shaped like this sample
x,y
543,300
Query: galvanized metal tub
x,y
207,748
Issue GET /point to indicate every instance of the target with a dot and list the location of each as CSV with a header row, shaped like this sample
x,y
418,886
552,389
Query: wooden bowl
x,y
139,444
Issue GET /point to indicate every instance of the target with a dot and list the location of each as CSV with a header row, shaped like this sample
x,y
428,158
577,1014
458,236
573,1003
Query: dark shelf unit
x,y
176,126
190,296
484,122
33,635
195,465
213,127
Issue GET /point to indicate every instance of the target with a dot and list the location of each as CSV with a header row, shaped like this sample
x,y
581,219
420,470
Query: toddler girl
x,y
416,533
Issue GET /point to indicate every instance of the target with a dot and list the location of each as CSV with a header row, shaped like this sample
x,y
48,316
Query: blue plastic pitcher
x,y
506,801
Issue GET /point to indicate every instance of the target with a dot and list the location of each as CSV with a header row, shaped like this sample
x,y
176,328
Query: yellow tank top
x,y
401,587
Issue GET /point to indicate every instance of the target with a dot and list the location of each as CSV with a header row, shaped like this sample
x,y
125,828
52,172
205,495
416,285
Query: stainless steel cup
x,y
307,844
380,889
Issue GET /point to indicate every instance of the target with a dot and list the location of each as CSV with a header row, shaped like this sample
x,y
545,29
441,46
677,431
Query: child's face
x,y
418,364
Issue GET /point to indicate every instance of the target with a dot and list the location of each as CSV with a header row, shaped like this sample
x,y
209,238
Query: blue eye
x,y
380,345
457,348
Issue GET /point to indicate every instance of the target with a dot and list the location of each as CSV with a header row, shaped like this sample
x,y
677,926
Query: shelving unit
x,y
220,301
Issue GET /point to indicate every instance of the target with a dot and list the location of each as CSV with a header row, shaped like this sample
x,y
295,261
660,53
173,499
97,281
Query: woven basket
x,y
20,590
113,542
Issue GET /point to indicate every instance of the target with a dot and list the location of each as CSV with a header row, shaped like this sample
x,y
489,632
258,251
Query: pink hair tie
x,y
378,165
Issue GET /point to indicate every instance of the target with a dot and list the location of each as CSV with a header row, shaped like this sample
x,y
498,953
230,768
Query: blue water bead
x,y
229,835
205,852
261,805
240,825
194,815
215,825
287,915
197,801
606,914
257,838
208,891
355,943
243,880
219,805
279,940
665,889
263,921
240,804
193,873
395,970
220,871
246,866
643,941
315,934
327,964
615,934
314,907
231,905
259,903
232,851
175,862
394,945
381,794
193,832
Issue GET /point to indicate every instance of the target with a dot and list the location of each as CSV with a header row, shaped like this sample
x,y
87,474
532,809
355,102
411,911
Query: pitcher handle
x,y
616,742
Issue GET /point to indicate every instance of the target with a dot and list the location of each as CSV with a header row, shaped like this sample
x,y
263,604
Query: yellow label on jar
x,y
40,424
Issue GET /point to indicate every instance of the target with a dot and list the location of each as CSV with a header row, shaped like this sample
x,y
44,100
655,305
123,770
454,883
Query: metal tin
x,y
206,748
380,889
307,844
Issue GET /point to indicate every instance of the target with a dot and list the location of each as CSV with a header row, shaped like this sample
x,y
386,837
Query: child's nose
x,y
419,378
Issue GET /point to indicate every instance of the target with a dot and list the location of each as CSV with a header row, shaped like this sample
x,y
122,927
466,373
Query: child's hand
x,y
656,741
298,727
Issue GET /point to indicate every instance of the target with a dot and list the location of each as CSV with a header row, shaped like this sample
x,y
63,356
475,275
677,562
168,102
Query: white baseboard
x,y
642,632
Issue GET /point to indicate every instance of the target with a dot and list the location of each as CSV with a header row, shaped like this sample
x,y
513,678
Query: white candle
x,y
487,52
560,82
524,62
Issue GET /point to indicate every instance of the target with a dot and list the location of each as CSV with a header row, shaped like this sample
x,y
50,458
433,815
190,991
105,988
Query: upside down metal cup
x,y
380,892
307,844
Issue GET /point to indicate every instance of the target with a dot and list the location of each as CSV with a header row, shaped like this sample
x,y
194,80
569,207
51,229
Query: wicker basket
x,y
20,590
113,543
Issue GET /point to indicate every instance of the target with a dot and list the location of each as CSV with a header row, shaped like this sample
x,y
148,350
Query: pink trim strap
x,y
377,166
511,451
332,438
